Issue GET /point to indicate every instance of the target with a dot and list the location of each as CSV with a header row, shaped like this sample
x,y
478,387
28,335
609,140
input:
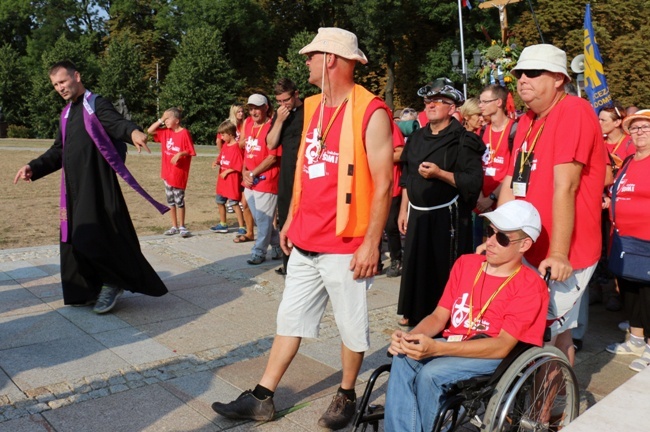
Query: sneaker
x,y
184,232
624,326
276,253
229,209
641,363
256,260
246,407
625,348
241,231
220,228
577,344
395,269
339,413
172,231
107,298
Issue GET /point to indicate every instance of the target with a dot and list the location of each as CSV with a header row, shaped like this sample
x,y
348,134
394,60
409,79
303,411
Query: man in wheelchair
x,y
490,303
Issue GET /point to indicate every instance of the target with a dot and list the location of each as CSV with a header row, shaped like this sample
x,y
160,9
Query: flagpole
x,y
462,48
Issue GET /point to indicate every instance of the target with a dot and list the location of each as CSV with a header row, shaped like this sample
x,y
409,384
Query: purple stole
x,y
110,154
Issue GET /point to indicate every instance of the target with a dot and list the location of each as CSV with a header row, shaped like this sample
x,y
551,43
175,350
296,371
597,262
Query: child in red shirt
x,y
177,149
230,161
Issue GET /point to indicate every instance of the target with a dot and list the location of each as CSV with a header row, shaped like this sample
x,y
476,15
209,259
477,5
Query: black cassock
x,y
102,246
435,238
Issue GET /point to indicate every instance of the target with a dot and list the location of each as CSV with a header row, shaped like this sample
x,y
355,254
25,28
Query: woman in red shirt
x,y
632,206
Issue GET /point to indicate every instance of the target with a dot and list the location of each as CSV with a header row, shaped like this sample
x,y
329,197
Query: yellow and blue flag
x,y
595,81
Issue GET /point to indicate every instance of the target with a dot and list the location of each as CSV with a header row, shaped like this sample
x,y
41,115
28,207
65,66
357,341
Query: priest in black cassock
x,y
442,176
100,252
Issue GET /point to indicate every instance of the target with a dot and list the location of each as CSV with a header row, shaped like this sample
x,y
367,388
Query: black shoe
x,y
577,344
246,407
280,271
395,269
339,413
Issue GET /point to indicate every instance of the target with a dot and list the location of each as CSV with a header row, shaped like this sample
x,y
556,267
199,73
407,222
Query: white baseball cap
x,y
516,215
257,100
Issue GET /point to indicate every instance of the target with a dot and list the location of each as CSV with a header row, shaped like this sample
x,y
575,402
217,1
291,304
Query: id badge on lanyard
x,y
521,175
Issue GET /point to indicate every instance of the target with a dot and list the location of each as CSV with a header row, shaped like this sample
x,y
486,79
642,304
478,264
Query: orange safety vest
x,y
355,187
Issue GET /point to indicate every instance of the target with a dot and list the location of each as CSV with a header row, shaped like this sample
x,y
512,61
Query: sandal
x,y
242,239
404,322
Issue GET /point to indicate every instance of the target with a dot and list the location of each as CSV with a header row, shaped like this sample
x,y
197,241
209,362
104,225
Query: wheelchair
x,y
533,389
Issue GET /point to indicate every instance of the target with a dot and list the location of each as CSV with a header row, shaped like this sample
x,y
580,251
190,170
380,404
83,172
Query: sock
x,y
349,393
262,392
636,340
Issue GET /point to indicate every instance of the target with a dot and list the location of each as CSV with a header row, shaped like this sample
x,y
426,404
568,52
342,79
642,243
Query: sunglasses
x,y
436,102
530,73
501,237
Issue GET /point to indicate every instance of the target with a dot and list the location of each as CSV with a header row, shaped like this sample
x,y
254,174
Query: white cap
x,y
545,57
257,100
516,215
337,41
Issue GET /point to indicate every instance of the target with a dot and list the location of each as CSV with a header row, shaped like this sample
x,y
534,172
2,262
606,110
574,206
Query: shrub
x,y
18,131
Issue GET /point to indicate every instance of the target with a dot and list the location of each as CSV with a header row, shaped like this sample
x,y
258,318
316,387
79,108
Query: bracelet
x,y
493,197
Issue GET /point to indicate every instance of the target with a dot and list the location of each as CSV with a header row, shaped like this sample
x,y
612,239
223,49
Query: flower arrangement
x,y
497,63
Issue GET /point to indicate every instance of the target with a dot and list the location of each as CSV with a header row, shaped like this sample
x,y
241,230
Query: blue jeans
x,y
417,389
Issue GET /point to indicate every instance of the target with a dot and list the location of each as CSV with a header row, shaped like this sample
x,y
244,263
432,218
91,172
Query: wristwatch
x,y
493,197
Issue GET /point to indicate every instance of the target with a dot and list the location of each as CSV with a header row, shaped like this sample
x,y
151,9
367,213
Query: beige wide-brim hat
x,y
639,115
336,41
545,57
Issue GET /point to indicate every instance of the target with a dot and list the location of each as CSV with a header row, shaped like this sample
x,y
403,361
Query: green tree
x,y
13,87
294,67
122,76
202,82
44,103
15,23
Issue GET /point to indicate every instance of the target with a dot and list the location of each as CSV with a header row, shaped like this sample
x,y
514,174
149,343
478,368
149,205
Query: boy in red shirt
x,y
230,161
177,149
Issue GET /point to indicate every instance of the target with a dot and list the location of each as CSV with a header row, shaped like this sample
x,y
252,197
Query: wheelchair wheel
x,y
538,392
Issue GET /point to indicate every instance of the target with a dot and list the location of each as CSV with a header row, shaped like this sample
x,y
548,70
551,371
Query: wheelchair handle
x,y
547,276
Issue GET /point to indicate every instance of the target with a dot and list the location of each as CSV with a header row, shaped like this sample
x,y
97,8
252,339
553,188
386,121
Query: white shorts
x,y
310,281
563,307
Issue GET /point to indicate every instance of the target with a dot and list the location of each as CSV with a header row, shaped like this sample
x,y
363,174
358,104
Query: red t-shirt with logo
x,y
172,143
496,159
256,151
231,157
571,133
314,225
633,200
519,309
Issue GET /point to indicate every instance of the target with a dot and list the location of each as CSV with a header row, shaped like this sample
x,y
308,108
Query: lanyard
x,y
495,150
618,144
260,128
527,154
474,322
322,136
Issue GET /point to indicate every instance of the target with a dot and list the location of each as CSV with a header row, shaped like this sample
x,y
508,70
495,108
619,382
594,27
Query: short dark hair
x,y
285,85
177,111
499,92
228,128
64,64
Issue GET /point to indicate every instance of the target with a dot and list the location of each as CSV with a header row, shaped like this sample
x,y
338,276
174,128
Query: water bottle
x,y
256,180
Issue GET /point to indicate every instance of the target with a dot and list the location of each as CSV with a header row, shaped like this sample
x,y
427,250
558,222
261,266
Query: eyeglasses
x,y
485,102
312,54
436,102
283,101
501,237
530,73
637,129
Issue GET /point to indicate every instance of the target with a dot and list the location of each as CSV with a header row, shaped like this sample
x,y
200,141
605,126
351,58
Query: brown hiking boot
x,y
246,407
339,413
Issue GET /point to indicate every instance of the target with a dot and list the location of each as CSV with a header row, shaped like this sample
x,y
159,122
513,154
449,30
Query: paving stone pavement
x,y
158,363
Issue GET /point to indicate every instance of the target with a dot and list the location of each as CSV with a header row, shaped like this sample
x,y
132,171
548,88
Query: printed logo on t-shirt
x,y
252,146
314,152
625,186
460,315
171,147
